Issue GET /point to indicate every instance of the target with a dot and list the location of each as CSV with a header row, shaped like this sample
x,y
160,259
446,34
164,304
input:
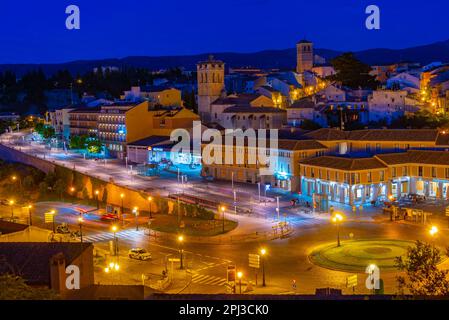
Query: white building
x,y
389,104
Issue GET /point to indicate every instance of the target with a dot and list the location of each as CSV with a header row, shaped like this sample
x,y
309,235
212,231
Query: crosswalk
x,y
208,280
131,235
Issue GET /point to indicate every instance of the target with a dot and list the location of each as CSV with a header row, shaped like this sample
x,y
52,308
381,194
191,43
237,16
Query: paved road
x,y
287,259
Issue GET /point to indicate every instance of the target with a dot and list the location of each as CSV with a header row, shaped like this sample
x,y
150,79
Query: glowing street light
x,y
136,214
114,230
337,219
223,209
11,203
263,252
239,276
122,196
181,250
433,231
96,196
29,215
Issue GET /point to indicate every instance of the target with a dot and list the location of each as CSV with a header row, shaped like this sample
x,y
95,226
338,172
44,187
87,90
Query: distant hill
x,y
283,59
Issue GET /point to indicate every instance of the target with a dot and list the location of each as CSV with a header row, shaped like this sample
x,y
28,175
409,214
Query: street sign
x,y
351,281
174,260
254,260
231,273
447,211
49,217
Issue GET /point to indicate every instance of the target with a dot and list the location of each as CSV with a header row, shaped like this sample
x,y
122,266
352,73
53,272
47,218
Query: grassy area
x,y
356,255
192,226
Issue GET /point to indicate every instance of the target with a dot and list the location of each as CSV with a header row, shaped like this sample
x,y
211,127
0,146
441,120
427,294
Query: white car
x,y
139,254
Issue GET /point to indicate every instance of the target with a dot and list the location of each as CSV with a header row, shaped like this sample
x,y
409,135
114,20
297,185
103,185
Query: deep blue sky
x,y
34,30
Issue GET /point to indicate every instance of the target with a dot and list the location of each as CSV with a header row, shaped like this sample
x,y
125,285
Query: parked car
x,y
63,229
108,217
139,254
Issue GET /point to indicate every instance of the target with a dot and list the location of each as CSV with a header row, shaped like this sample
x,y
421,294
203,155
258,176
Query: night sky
x,y
33,31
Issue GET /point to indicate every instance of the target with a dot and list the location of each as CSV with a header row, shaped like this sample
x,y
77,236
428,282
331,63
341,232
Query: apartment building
x,y
363,180
83,121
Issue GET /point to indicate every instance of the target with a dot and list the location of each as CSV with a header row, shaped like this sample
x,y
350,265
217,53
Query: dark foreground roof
x,y
11,227
30,260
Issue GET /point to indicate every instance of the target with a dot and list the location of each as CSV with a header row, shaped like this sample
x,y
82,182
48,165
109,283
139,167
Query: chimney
x,y
57,273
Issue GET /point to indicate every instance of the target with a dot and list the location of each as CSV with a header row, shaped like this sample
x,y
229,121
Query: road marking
x,y
208,280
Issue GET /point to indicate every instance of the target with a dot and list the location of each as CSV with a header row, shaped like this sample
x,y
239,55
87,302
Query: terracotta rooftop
x,y
416,156
249,109
240,99
327,134
346,164
394,135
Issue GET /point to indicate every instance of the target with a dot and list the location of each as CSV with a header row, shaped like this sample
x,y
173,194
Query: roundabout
x,y
356,255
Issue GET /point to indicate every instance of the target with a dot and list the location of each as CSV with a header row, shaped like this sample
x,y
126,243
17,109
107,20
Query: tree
x,y
94,145
43,188
60,187
48,132
15,288
28,182
78,142
352,73
422,274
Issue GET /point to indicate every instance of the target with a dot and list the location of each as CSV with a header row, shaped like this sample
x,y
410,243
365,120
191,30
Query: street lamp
x,y
433,233
29,214
239,276
337,219
149,204
122,196
112,267
72,190
223,208
181,250
80,221
114,230
96,195
136,214
263,252
11,203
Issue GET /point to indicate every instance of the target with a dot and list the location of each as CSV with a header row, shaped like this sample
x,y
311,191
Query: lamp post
x,y
80,222
223,209
136,214
149,204
72,191
96,196
114,230
277,207
337,219
239,276
263,252
433,233
121,209
112,267
53,213
258,187
11,203
29,215
181,250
